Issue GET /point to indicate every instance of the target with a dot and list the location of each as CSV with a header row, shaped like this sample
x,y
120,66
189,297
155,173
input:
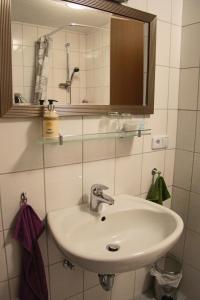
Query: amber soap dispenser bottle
x,y
50,121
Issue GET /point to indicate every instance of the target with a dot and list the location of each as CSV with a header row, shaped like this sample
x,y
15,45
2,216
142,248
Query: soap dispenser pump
x,y
50,122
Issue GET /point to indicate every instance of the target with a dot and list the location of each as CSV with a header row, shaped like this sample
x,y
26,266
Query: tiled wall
x,y
186,191
55,176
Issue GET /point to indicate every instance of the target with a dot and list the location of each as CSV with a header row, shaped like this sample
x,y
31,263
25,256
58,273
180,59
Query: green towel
x,y
158,191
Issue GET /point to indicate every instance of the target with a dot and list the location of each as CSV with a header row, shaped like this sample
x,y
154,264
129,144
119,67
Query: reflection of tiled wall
x,y
98,66
187,162
24,37
55,177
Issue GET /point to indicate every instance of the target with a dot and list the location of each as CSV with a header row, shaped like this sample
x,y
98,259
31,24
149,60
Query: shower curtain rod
x,y
71,25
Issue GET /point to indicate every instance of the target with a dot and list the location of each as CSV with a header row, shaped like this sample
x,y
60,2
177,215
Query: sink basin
x,y
125,236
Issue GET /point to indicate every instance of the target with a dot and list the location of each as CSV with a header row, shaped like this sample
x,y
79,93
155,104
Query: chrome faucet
x,y
97,197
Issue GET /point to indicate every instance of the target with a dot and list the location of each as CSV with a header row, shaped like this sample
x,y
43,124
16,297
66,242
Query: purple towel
x,y
27,230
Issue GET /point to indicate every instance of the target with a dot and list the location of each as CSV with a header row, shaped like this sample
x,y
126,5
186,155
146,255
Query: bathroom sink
x,y
125,236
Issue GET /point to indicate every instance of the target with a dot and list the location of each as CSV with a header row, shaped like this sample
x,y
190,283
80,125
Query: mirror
x,y
85,58
77,55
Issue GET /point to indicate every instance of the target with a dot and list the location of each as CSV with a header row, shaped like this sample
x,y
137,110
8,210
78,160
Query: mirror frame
x,y
8,109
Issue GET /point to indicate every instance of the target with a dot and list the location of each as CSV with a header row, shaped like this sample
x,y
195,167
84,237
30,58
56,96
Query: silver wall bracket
x,y
68,265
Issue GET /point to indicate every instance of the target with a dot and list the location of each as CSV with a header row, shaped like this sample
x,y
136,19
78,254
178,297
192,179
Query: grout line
x,y
82,162
4,248
191,24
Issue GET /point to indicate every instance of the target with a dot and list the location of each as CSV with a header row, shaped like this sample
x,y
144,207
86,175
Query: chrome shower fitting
x,y
68,83
69,80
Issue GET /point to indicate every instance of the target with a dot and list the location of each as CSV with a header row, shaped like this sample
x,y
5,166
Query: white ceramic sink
x,y
142,230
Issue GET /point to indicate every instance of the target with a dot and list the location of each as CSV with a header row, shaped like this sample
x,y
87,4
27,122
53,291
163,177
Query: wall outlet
x,y
159,142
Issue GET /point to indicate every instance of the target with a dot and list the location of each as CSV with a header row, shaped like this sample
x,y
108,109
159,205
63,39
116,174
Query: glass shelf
x,y
95,136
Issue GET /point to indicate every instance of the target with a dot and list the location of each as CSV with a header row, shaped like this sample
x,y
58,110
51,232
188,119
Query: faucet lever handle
x,y
97,189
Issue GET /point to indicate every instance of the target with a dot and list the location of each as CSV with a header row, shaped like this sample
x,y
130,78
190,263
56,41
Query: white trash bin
x,y
168,273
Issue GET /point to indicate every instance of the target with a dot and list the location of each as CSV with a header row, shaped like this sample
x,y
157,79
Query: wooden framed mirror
x,y
110,69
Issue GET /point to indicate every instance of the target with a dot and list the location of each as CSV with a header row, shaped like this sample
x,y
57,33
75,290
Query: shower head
x,y
67,45
76,69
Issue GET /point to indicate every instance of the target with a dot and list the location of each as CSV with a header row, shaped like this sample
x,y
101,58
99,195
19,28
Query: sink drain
x,y
112,247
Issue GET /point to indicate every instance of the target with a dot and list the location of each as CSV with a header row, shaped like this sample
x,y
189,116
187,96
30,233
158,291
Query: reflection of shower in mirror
x,y
67,85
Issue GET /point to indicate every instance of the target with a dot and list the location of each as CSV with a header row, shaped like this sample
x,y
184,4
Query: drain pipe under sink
x,y
106,281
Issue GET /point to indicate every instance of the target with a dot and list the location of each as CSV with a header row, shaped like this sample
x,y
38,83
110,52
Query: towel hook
x,y
23,198
155,171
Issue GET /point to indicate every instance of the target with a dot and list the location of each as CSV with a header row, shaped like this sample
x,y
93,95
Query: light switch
x,y
159,142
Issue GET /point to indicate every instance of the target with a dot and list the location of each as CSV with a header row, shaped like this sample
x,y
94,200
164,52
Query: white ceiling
x,y
55,13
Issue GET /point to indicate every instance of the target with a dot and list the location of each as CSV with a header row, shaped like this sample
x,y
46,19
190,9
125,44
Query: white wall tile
x,y
174,76
123,286
98,149
63,186
172,128
131,166
31,182
90,279
68,153
199,96
22,151
64,282
98,172
16,33
196,172
161,87
163,43
191,11
18,77
1,225
177,9
128,146
180,202
13,255
77,297
169,166
178,249
191,252
14,288
55,255
29,35
74,40
190,283
175,49
197,139
3,267
4,291
17,55
190,46
193,212
96,293
186,130
59,40
150,161
188,92
28,56
158,125
160,8
183,171
142,281
28,76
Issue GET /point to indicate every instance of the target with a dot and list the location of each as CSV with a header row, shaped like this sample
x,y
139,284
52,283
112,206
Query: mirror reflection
x,y
77,55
